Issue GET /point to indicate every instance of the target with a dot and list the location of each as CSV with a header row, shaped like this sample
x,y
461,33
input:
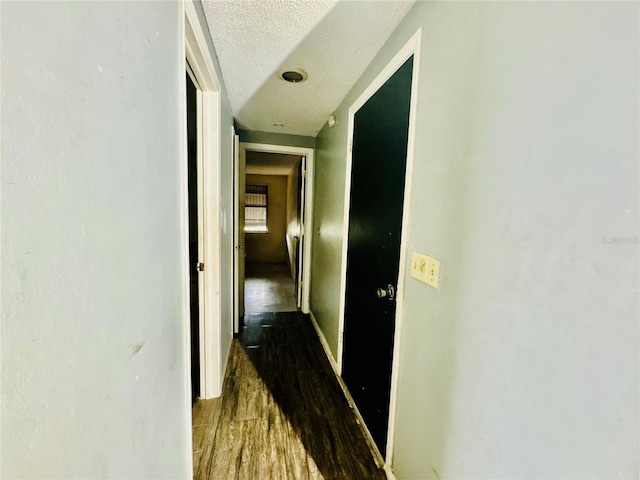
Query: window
x,y
255,209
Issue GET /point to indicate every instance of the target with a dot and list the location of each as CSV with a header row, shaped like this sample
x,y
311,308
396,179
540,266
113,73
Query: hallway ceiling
x,y
333,41
262,163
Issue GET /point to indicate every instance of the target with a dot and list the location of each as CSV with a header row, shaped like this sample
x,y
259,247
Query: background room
x,y
272,231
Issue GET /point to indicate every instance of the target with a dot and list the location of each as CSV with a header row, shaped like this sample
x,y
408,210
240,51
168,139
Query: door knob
x,y
389,292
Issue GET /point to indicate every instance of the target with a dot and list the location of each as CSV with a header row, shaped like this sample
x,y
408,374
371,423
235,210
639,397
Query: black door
x,y
192,136
375,221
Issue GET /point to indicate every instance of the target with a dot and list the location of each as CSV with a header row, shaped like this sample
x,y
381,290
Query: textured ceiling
x,y
332,41
261,163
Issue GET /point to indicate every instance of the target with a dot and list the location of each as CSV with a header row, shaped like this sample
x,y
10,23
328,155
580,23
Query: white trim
x,y
325,344
308,221
212,350
200,61
241,236
236,233
412,47
186,282
232,300
308,233
193,77
197,50
301,211
202,301
416,44
389,472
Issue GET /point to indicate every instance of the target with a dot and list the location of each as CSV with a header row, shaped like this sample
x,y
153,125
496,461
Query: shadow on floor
x,y
289,358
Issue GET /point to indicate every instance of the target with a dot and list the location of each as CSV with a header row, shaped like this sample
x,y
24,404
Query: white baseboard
x,y
377,456
325,345
389,472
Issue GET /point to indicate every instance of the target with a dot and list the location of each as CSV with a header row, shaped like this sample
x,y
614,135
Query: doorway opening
x,y
274,201
194,229
272,231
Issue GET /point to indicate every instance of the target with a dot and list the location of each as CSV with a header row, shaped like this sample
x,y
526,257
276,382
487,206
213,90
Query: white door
x,y
303,191
239,256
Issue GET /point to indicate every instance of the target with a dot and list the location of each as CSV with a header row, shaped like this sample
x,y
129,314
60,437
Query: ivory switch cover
x,y
419,263
433,272
426,269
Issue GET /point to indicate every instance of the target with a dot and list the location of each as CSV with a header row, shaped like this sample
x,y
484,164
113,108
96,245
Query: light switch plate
x,y
426,269
419,264
433,272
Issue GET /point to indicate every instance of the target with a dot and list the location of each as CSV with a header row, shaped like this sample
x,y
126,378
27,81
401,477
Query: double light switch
x,y
426,269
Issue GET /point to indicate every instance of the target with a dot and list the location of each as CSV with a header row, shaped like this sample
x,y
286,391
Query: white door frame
x,y
306,233
302,212
200,209
238,247
199,59
412,47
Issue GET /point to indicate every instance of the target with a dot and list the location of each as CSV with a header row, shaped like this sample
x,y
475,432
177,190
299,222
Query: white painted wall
x,y
524,364
93,331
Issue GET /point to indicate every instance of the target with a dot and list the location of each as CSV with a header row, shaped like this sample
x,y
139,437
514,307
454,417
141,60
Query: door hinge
x,y
350,146
200,267
304,174
300,284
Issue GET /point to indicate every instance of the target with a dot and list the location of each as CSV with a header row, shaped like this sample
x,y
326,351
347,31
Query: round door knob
x,y
389,292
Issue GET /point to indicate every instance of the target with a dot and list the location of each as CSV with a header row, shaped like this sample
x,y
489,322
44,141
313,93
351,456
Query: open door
x,y
302,184
239,176
196,230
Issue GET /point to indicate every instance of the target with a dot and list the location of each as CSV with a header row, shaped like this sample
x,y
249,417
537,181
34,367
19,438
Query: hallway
x,y
268,288
282,413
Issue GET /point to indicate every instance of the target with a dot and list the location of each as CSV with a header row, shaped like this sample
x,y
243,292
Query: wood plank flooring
x,y
282,413
269,287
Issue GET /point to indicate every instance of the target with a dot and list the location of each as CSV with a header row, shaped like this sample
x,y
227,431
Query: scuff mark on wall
x,y
135,348
435,472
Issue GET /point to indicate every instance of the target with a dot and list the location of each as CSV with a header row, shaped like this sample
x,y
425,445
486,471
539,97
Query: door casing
x,y
200,220
199,59
302,215
239,178
306,233
412,47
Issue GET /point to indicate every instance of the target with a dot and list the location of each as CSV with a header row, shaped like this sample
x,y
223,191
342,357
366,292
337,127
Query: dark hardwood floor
x,y
282,413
